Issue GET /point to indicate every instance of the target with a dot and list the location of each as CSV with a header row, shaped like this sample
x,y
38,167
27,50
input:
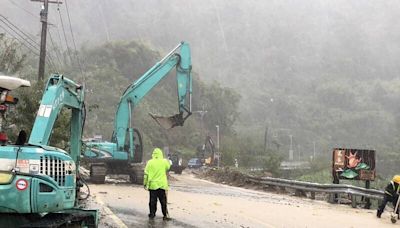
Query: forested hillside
x,y
322,71
107,71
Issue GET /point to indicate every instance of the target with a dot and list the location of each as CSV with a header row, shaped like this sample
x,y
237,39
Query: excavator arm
x,y
60,92
141,87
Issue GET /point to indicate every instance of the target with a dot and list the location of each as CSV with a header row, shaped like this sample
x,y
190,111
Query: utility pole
x,y
299,152
43,19
219,154
291,148
314,150
266,146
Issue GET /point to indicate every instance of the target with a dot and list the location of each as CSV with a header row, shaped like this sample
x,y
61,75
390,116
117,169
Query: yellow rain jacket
x,y
155,173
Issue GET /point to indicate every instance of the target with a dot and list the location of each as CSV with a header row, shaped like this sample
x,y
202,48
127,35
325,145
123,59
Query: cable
x,y
65,36
84,183
59,37
55,49
29,36
73,40
50,62
29,48
70,25
14,28
26,38
27,11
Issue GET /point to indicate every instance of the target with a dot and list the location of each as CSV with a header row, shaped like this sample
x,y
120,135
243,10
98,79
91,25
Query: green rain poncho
x,y
155,173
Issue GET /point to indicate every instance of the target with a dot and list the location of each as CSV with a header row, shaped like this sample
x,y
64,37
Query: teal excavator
x,y
40,184
123,155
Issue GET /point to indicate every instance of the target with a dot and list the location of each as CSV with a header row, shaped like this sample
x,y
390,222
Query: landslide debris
x,y
230,176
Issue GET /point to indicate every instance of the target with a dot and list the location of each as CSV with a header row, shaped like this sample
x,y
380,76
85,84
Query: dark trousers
x,y
160,194
387,198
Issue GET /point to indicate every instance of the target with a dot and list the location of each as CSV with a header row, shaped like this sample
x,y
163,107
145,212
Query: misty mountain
x,y
325,70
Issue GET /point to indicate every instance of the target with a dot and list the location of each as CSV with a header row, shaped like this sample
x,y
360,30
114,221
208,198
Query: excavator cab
x,y
6,85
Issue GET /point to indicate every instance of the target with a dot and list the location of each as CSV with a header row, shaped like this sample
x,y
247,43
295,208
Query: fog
x,y
324,71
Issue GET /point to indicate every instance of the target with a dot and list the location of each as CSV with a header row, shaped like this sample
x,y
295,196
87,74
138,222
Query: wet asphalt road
x,y
133,218
199,203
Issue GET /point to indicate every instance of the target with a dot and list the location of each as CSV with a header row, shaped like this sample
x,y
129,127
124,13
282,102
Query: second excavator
x,y
123,155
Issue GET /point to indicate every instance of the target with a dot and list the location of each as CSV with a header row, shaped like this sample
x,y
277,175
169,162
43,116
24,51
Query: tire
x,y
178,170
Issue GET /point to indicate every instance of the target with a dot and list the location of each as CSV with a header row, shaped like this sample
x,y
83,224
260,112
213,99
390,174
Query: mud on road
x,y
193,202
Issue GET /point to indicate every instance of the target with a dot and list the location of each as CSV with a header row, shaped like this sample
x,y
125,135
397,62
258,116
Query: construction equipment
x,y
206,152
39,184
6,85
176,163
123,155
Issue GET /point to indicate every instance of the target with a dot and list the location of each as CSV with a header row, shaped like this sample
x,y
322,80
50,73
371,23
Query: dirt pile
x,y
238,178
226,176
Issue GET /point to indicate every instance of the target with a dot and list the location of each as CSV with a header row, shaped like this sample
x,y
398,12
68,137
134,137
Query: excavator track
x,y
98,173
69,218
137,173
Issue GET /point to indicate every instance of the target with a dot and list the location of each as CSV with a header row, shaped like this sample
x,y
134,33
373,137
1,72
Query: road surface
x,y
199,203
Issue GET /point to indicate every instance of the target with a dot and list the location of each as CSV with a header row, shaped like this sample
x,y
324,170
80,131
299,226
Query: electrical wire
x,y
22,8
73,40
22,43
59,37
18,32
65,36
27,38
55,49
29,47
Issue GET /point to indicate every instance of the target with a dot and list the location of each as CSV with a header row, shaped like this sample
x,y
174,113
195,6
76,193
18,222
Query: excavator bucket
x,y
169,122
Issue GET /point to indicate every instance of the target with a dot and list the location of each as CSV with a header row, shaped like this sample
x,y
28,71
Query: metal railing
x,y
315,187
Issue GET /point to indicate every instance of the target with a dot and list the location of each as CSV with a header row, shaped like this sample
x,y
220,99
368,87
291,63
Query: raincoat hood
x,y
157,154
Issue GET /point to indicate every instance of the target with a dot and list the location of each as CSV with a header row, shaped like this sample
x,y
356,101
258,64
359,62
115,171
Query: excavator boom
x,y
142,86
123,155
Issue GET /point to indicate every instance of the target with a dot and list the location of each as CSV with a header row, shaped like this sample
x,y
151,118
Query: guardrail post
x,y
312,195
353,201
367,200
282,189
300,193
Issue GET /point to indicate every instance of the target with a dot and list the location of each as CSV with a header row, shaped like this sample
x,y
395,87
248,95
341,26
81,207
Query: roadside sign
x,y
353,164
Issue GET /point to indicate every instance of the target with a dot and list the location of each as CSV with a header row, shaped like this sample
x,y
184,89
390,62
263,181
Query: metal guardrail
x,y
315,187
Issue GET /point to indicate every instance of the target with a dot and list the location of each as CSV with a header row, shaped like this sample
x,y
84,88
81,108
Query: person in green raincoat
x,y
155,180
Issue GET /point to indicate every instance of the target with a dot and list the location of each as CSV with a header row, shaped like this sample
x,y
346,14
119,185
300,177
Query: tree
x,y
11,58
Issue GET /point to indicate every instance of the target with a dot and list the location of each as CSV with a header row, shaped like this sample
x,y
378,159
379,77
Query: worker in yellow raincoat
x,y
391,195
155,180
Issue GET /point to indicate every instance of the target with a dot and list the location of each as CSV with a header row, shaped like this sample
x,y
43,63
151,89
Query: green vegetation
x,y
108,70
331,109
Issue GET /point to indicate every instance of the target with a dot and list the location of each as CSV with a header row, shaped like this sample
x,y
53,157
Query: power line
x,y
24,36
59,41
27,11
65,36
73,39
56,51
30,48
